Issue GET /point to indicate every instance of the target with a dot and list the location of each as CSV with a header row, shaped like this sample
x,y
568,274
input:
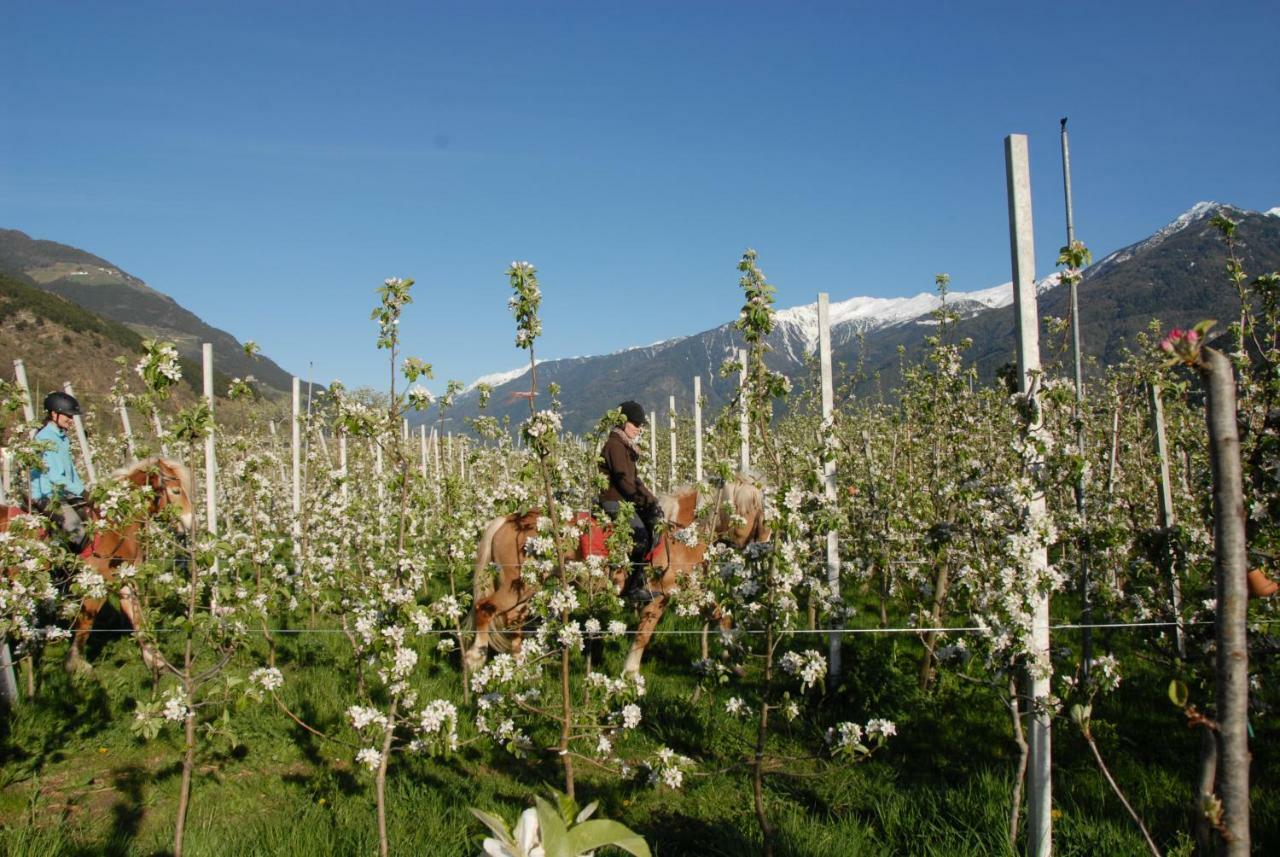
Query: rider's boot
x,y
636,589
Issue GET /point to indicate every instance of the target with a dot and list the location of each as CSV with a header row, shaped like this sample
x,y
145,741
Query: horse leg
x,y
479,648
650,615
132,609
516,617
649,618
83,624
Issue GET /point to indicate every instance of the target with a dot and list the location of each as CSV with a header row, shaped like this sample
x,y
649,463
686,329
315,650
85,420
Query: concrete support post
x,y
126,427
422,447
829,471
671,414
744,463
83,440
342,462
210,457
697,428
296,451
653,448
1022,247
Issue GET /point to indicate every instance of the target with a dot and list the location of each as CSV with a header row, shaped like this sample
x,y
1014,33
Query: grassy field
x,y
75,781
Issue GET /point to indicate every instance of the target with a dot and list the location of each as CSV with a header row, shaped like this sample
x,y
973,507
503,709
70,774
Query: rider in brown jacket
x,y
618,463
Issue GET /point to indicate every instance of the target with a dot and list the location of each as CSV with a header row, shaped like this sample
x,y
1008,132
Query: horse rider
x,y
618,463
56,487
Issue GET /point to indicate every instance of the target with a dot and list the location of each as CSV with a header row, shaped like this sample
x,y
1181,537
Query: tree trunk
x,y
380,780
762,733
188,766
1020,739
1230,567
940,586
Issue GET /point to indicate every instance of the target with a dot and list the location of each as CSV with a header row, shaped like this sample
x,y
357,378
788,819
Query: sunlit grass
x,y
76,781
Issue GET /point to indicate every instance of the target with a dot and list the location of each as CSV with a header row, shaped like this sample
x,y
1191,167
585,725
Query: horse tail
x,y
482,581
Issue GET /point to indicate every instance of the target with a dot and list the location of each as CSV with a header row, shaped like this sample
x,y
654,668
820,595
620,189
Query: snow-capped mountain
x,y
1173,275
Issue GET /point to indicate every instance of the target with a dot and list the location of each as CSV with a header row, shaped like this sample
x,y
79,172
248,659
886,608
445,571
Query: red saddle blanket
x,y
593,538
11,512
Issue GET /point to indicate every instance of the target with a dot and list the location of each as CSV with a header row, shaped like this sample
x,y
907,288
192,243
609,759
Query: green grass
x,y
76,782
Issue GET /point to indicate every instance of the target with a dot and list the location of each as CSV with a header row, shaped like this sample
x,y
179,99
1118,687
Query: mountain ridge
x,y
108,290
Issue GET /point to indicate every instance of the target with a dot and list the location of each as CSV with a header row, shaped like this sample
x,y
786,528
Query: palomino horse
x,y
736,516
170,485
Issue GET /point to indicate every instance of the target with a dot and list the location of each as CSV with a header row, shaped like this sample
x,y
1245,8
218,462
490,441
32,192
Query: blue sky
x,y
268,164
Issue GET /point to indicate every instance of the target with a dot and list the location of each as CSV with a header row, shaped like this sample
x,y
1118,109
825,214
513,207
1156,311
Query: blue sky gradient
x,y
268,165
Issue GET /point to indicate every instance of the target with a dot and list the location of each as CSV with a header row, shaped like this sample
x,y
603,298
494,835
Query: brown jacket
x,y
618,462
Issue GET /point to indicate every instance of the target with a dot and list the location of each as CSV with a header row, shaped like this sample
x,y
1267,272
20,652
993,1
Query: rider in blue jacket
x,y
56,487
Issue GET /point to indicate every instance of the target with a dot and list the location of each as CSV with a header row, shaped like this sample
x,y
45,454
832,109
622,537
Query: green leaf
x,y
587,811
601,832
1178,693
1203,327
555,836
495,824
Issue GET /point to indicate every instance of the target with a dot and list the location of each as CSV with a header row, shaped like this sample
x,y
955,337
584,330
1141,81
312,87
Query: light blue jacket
x,y
58,475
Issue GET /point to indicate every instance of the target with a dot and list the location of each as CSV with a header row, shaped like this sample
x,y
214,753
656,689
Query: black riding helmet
x,y
633,412
62,403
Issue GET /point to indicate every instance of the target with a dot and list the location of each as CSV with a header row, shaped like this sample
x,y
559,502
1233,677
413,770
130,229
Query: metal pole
x,y
1086,596
829,471
697,428
1022,247
83,440
1168,518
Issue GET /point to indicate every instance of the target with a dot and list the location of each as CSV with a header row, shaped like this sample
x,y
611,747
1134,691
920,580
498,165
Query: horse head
x,y
740,512
170,484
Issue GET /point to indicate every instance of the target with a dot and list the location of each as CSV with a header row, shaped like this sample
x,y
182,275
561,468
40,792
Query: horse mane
x,y
669,502
147,464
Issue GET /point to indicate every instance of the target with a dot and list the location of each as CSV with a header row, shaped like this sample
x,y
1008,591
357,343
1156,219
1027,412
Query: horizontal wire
x,y
972,629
